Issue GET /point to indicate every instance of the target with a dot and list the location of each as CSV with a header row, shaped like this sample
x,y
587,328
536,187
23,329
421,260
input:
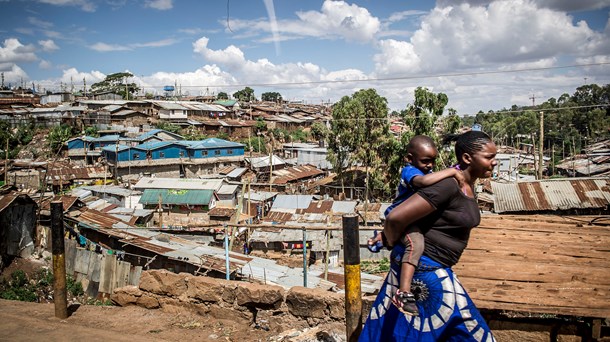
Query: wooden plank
x,y
107,273
70,255
81,261
134,275
539,264
122,274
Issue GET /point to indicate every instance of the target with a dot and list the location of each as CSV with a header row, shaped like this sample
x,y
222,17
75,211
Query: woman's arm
x,y
409,211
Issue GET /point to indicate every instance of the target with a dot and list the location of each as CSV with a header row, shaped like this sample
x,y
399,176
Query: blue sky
x,y
485,55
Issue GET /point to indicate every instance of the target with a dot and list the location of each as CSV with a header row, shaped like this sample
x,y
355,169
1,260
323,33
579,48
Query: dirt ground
x,y
23,321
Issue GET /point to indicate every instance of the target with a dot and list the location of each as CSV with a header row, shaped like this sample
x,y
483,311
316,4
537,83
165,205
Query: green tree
x,y
422,116
260,125
271,96
168,126
359,135
319,131
91,131
222,96
245,95
58,136
117,83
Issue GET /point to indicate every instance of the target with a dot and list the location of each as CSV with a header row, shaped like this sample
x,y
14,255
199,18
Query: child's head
x,y
422,153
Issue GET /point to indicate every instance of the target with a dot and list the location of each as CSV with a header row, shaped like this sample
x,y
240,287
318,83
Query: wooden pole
x,y
59,260
541,146
353,291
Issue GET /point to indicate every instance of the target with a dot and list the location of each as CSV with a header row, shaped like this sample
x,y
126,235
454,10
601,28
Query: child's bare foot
x,y
375,244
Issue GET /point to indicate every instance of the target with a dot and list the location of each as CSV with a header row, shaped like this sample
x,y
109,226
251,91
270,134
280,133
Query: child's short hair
x,y
418,141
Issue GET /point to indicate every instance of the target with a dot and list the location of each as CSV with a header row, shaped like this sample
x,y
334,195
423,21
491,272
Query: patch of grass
x,y
375,266
35,288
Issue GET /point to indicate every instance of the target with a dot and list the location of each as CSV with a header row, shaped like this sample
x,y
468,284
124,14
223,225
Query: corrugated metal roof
x,y
179,183
227,189
552,194
237,172
110,189
292,202
294,173
177,196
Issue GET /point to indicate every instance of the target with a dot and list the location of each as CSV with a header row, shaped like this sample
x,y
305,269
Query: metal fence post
x,y
351,264
304,257
59,260
227,264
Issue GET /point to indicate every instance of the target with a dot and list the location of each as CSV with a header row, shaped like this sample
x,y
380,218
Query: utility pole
x,y
533,98
541,144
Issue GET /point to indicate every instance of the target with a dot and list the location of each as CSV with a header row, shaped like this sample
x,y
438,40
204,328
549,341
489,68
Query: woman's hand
x,y
406,213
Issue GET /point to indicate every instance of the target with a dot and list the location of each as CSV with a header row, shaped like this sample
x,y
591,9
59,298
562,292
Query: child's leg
x,y
414,243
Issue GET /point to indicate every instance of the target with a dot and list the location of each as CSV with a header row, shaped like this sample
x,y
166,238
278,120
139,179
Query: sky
x,y
483,54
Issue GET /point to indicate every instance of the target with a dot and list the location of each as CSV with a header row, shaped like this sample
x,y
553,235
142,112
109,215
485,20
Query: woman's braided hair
x,y
469,142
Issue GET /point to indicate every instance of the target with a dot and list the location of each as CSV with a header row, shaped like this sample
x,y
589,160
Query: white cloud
x,y
560,5
103,47
48,45
336,19
44,64
161,5
14,52
472,37
159,43
40,23
13,74
85,5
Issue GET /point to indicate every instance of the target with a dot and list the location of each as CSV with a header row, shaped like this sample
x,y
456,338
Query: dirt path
x,y
22,321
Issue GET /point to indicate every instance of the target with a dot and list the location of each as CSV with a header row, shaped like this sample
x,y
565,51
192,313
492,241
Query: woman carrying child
x,y
445,213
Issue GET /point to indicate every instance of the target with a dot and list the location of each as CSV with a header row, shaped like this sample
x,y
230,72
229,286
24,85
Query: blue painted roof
x,y
153,145
215,143
113,137
113,148
154,132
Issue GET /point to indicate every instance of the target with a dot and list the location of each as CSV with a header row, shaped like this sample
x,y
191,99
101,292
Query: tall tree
x,y
359,135
222,96
244,95
117,83
271,96
423,115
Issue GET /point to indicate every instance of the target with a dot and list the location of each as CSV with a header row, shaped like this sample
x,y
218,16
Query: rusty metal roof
x,y
7,199
67,202
222,212
552,194
289,174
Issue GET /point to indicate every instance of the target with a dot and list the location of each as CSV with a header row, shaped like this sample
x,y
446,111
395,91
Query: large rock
x,y
148,301
204,289
126,295
163,282
262,296
304,302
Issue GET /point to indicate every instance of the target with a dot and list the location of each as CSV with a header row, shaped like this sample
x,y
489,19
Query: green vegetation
x,y
36,288
245,95
271,96
375,266
117,83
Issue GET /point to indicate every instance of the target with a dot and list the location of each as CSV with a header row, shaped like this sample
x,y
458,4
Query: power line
x,y
398,78
520,111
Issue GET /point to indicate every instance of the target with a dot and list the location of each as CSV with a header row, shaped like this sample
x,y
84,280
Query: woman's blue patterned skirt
x,y
446,312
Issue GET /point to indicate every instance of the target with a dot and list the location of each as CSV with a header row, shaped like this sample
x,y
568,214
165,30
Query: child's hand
x,y
460,178
375,244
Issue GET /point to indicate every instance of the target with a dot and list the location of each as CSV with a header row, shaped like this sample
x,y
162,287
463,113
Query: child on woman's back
x,y
421,158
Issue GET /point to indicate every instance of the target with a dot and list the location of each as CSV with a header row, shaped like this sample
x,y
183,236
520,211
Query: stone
x,y
163,282
262,296
149,302
126,295
204,289
304,302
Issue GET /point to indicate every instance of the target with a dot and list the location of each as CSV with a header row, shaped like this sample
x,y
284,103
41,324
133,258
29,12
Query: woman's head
x,y
476,150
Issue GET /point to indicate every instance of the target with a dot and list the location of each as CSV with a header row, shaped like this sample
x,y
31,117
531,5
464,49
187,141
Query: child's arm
x,y
435,177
